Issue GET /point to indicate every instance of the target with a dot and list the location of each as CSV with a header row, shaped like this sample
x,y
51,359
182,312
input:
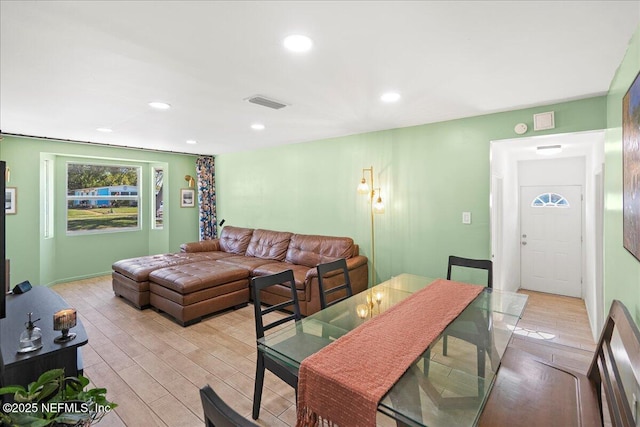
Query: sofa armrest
x,y
356,261
202,246
352,264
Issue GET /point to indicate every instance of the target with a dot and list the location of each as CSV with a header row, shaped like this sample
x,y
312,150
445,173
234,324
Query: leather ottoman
x,y
130,277
188,292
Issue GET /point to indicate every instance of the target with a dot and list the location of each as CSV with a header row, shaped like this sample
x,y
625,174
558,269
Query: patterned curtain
x,y
207,197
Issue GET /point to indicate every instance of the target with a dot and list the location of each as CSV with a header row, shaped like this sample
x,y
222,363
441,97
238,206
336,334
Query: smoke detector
x,y
266,102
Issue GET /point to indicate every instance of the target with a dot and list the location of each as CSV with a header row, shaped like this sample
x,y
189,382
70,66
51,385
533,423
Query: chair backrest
x,y
481,264
284,278
218,414
340,275
610,369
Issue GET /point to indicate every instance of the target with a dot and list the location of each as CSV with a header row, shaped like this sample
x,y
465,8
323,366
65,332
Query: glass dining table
x,y
437,389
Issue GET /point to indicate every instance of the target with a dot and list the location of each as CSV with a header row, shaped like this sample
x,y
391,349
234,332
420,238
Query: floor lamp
x,y
375,208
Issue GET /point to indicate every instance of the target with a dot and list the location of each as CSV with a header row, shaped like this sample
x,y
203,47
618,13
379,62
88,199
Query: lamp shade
x,y
363,187
378,206
64,319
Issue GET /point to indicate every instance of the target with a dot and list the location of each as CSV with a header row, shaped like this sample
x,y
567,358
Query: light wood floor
x,y
154,368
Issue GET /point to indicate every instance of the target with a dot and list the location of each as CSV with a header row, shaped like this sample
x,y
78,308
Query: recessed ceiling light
x,y
105,130
191,141
390,97
159,105
298,43
257,126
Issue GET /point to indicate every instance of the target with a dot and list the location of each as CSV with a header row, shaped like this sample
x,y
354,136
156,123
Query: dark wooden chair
x,y
532,392
475,327
218,414
481,264
264,360
333,277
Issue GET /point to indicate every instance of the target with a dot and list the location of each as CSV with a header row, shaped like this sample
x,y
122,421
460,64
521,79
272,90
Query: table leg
x,y
406,400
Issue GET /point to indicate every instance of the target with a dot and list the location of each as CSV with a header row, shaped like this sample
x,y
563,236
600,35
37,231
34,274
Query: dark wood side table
x,y
25,368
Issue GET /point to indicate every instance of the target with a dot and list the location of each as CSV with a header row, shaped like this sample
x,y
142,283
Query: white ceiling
x,y
69,67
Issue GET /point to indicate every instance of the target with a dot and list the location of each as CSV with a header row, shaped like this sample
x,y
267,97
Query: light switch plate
x,y
466,217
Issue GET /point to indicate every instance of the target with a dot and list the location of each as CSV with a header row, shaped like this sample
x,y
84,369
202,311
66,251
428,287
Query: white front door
x,y
551,239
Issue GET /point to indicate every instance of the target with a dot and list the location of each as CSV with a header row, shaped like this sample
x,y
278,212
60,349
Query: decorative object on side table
x,y
31,337
64,320
55,400
22,287
368,309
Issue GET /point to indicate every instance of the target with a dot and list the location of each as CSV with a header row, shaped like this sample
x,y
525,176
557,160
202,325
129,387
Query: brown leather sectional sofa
x,y
213,275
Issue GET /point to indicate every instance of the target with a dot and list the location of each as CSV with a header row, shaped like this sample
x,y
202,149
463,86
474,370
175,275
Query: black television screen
x,y
3,273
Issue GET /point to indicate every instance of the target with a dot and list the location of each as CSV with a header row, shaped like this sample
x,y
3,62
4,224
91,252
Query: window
x,y
158,198
102,198
553,200
47,198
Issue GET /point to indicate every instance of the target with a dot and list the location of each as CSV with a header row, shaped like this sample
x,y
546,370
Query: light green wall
x,y
429,175
62,258
621,269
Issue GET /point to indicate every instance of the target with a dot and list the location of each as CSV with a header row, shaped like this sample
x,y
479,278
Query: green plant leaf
x,y
49,376
12,389
48,391
71,419
28,420
83,380
52,386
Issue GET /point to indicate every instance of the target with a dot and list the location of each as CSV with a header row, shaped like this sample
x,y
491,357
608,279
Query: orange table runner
x,y
343,383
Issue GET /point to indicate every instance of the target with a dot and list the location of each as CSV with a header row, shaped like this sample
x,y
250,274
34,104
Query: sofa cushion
x,y
235,239
201,246
299,271
248,263
313,250
185,279
138,269
269,244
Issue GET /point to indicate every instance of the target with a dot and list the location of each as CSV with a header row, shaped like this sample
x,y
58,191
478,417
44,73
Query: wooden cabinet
x,y
25,368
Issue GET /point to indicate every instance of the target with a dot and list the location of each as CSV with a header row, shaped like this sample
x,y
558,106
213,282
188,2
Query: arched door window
x,y
553,200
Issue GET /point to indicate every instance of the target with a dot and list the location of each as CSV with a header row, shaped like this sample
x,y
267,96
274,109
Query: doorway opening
x,y
537,260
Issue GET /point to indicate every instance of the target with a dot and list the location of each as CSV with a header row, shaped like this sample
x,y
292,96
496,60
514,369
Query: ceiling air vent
x,y
266,102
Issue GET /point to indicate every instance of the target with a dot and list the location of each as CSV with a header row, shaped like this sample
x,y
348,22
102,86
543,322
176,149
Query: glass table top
x,y
437,389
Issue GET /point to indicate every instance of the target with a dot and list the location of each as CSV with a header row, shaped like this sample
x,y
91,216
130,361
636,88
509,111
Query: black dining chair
x,y
217,413
329,284
264,360
476,329
481,264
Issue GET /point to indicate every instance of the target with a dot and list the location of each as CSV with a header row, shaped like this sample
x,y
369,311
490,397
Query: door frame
x,y
505,219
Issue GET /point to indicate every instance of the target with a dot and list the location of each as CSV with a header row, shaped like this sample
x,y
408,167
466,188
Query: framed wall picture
x,y
187,197
631,168
10,200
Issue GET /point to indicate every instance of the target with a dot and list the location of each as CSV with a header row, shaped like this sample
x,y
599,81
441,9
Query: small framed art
x,y
10,201
187,197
